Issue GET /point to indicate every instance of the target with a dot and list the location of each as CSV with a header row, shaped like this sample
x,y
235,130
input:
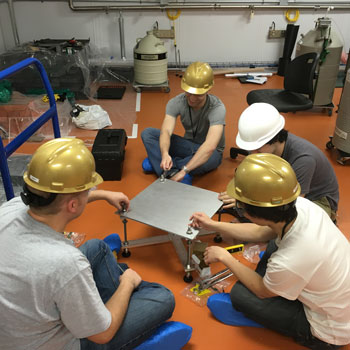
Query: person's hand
x,y
167,162
216,254
201,220
178,176
344,57
228,201
130,276
118,200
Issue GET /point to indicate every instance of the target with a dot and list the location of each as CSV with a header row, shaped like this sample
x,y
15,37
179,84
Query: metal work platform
x,y
168,205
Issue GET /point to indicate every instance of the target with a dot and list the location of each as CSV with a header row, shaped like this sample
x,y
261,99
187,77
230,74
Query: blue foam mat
x,y
114,242
187,179
147,166
170,336
221,307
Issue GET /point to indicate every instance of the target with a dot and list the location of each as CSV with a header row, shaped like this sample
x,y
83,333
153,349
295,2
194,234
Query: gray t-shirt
x,y
313,170
197,123
48,297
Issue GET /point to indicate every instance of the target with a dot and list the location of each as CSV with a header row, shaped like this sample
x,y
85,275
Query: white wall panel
x,y
210,35
6,35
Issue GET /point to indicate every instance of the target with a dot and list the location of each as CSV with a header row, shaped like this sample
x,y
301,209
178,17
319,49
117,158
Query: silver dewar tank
x,y
150,61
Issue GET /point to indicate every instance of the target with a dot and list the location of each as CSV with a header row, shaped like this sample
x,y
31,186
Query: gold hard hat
x,y
198,78
264,180
62,165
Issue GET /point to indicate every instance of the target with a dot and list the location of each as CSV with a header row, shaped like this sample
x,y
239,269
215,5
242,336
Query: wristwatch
x,y
185,169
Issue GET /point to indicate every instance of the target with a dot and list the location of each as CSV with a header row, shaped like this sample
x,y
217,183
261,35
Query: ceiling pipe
x,y
13,22
122,36
202,6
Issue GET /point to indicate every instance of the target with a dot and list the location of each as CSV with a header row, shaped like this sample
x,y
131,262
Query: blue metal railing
x,y
51,113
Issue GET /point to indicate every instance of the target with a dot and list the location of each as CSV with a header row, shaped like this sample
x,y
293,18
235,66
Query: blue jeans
x,y
282,315
181,151
150,304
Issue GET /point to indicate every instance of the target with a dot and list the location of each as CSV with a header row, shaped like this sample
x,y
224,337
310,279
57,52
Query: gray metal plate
x,y
169,205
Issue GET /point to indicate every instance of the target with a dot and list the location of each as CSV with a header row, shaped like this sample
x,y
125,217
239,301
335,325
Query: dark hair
x,y
283,213
280,137
44,202
29,197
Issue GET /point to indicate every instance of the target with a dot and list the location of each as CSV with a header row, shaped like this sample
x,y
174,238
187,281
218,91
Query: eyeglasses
x,y
239,209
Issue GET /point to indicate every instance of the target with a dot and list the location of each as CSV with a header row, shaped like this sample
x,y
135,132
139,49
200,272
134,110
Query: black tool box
x,y
109,152
111,92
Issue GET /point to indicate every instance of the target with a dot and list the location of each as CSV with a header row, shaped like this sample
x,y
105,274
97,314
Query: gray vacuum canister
x,y
341,137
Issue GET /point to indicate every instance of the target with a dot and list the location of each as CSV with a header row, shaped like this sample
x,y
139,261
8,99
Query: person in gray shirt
x,y
203,118
261,130
53,295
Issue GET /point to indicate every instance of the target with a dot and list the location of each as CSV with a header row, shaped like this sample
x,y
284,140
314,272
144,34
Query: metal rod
x,y
218,274
125,243
214,279
176,62
189,255
202,6
122,36
13,22
179,58
214,282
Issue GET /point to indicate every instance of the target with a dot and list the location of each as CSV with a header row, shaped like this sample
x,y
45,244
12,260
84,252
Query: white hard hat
x,y
257,125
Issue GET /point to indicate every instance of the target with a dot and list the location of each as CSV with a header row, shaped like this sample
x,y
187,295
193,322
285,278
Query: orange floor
x,y
159,262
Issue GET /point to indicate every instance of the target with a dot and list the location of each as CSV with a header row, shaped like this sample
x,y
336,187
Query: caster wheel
x,y
167,90
330,112
126,253
137,89
329,145
217,239
188,279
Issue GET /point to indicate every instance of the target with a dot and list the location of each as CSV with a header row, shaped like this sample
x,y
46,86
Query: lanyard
x,y
194,132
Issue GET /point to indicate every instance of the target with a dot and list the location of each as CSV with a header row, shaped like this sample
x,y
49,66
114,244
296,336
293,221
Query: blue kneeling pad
x,y
147,166
169,335
221,307
187,179
114,242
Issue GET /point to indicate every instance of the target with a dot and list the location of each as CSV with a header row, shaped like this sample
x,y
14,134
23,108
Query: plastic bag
x,y
24,110
5,91
201,298
75,237
251,251
38,107
92,118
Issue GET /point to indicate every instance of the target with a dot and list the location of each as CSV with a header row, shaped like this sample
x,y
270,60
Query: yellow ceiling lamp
x,y
292,15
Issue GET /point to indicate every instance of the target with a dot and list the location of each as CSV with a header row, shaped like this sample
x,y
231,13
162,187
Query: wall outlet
x,y
275,34
164,33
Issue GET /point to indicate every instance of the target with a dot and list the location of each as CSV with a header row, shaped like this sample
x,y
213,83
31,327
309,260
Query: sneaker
x,y
147,166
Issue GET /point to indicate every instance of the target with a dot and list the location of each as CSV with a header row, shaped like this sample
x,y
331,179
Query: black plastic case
x,y
109,153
